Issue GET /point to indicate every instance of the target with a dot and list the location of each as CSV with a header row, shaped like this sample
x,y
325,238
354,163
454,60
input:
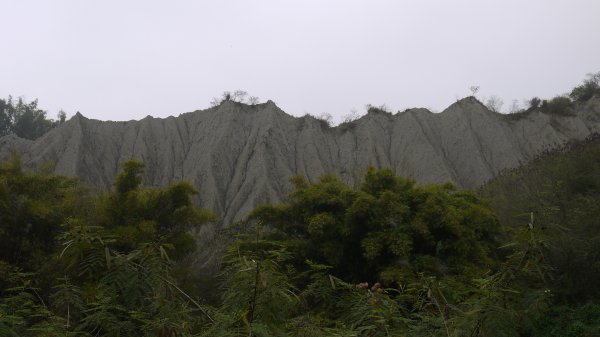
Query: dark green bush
x,y
534,103
25,119
559,105
564,321
587,90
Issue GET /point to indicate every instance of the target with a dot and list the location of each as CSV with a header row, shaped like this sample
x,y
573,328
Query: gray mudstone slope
x,y
240,156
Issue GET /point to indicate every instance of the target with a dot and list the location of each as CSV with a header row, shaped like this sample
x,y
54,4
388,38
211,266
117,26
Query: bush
x,y
587,90
378,109
534,103
494,103
25,119
559,105
565,321
238,96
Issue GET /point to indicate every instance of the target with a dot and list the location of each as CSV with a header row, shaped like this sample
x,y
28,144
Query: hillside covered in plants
x,y
562,189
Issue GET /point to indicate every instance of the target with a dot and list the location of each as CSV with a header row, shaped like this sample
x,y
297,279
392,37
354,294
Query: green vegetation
x,y
388,258
563,190
24,119
433,228
565,105
587,90
559,105
74,264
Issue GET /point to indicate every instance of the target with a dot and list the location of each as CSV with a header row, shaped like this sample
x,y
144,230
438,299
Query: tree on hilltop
x,y
25,119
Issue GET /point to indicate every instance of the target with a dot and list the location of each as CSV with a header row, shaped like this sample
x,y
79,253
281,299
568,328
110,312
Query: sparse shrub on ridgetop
x,y
252,100
238,96
559,105
375,109
587,90
534,103
351,117
494,103
325,119
564,104
349,121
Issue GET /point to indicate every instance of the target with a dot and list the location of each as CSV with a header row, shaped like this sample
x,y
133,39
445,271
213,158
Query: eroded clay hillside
x,y
242,155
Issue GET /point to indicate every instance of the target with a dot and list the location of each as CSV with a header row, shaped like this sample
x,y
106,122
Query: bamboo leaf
x,y
163,253
108,257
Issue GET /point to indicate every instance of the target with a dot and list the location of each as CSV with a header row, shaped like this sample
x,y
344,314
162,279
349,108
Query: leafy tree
x,y
563,191
387,258
62,117
33,205
98,281
534,103
589,88
137,214
266,292
385,226
6,117
559,105
24,119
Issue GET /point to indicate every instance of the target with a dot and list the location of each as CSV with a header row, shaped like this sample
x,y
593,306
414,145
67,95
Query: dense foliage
x,y
563,190
76,264
387,258
433,228
587,90
25,119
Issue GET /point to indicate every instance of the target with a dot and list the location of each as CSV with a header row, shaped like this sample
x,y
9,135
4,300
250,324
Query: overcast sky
x,y
120,60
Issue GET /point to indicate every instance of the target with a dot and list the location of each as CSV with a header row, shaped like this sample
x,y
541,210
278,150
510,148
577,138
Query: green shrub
x,y
564,321
587,90
559,105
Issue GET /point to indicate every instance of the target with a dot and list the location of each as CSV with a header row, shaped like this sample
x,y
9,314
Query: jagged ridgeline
x,y
242,155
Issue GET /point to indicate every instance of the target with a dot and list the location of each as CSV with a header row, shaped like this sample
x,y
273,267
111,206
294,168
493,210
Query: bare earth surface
x,y
240,156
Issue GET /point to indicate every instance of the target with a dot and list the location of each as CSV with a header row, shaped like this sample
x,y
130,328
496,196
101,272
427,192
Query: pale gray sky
x,y
120,60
